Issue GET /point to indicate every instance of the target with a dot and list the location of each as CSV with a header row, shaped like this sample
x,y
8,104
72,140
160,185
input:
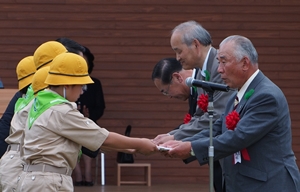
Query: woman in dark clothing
x,y
91,104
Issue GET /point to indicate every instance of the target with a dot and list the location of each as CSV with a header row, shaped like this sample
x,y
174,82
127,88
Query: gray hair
x,y
243,47
191,30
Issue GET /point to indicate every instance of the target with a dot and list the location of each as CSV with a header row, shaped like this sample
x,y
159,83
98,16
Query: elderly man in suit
x,y
253,136
192,45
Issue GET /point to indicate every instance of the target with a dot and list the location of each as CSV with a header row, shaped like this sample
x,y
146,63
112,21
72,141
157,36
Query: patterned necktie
x,y
236,102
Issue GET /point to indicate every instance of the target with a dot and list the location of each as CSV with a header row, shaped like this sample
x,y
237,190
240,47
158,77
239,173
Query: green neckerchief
x,y
79,155
24,101
43,101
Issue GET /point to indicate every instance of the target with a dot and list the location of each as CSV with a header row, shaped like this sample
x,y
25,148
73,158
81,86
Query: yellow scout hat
x,y
46,52
25,71
38,81
68,69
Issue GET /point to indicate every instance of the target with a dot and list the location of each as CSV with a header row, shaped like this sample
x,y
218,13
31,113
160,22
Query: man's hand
x,y
179,149
162,138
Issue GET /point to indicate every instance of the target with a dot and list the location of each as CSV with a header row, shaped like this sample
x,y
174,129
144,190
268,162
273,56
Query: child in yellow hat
x,y
27,75
11,164
56,130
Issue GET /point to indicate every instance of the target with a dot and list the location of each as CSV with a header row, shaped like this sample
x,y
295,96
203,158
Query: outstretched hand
x,y
179,149
162,138
147,147
129,151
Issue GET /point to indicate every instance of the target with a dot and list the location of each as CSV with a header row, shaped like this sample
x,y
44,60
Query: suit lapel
x,y
211,58
193,103
252,85
210,62
199,75
193,97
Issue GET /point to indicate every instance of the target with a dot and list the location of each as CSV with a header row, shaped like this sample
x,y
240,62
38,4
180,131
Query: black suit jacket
x,y
5,122
192,100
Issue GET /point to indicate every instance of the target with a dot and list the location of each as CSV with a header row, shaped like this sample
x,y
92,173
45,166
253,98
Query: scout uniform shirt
x,y
57,134
18,121
11,163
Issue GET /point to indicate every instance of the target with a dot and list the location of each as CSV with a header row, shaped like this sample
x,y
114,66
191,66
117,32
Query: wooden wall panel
x,y
128,37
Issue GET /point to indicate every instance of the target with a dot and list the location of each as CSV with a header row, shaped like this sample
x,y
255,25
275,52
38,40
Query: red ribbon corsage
x,y
203,102
231,121
187,118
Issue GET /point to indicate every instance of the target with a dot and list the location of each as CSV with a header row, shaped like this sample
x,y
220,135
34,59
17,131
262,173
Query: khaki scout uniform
x,y
51,147
11,165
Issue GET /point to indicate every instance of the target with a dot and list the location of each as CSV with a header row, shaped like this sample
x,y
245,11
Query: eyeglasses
x,y
167,90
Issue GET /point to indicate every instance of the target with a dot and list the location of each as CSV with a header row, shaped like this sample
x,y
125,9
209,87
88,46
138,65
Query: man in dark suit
x,y
253,136
169,78
91,104
192,45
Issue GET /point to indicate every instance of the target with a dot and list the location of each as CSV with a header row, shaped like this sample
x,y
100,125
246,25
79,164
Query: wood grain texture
x,y
128,37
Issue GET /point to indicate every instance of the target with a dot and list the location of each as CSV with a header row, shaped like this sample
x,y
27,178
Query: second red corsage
x,y
187,118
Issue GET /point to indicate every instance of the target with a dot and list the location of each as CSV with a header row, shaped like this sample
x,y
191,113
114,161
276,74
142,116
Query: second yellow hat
x,y
46,52
38,81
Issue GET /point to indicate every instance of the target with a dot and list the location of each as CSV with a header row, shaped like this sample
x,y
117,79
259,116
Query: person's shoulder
x,y
263,83
64,107
96,83
214,51
18,94
95,79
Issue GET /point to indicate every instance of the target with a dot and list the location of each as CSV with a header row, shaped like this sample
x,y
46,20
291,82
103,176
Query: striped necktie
x,y
236,102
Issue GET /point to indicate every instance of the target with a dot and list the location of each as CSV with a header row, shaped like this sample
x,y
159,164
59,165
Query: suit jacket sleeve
x,y
204,134
257,119
200,120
